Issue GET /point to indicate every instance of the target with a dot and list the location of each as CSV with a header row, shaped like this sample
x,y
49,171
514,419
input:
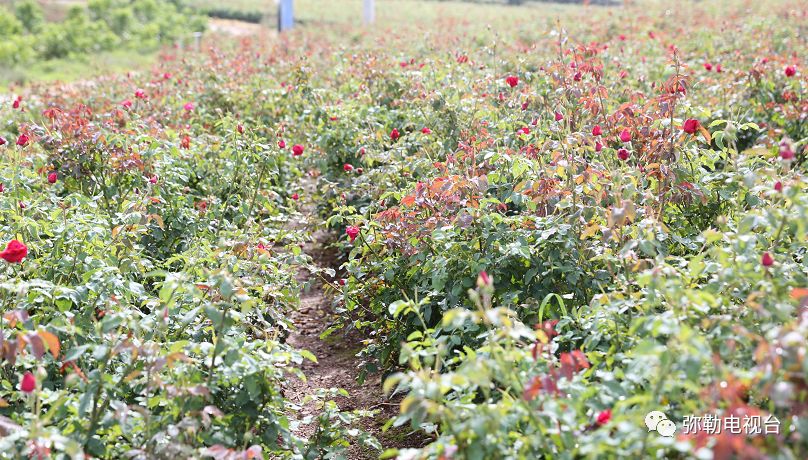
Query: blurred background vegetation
x,y
46,40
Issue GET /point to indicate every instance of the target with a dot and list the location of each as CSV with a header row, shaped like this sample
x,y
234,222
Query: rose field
x,y
464,231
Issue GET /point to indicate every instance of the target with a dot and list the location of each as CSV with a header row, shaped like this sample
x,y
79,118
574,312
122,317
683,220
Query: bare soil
x,y
337,363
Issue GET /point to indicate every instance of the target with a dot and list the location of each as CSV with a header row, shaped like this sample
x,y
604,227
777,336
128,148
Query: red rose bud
x,y
52,178
281,144
625,135
16,104
295,196
598,146
347,167
343,281
15,251
240,129
126,104
604,417
767,260
28,383
512,81
623,154
352,232
3,141
785,151
2,187
558,116
188,106
708,67
483,279
297,150
718,68
140,94
596,131
791,71
426,130
691,126
22,140
778,186
394,134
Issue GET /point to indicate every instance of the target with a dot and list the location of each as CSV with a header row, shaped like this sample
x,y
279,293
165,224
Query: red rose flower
x,y
426,130
791,71
140,94
295,196
604,417
28,383
23,140
188,106
767,260
625,135
343,281
281,144
598,146
708,67
394,134
596,131
16,104
15,251
297,150
512,80
185,143
3,141
352,232
623,154
52,178
691,125
347,167
558,116
127,104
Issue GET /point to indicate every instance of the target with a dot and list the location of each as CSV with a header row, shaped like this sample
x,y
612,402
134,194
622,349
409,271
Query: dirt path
x,y
337,364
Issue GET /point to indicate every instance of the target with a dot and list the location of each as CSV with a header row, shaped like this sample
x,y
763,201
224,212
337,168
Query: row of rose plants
x,y
148,269
553,236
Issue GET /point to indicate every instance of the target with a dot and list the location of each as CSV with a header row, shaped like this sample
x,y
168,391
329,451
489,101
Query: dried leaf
x,y
52,341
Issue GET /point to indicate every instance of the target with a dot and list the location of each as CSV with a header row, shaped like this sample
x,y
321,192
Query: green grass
x,y
67,70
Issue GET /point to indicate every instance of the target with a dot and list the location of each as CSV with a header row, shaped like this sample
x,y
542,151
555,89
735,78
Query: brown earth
x,y
337,363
